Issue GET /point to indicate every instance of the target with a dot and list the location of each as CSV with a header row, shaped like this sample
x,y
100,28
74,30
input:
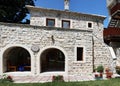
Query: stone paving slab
x,y
43,78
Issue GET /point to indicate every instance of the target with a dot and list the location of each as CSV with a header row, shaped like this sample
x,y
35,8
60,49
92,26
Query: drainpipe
x,y
93,61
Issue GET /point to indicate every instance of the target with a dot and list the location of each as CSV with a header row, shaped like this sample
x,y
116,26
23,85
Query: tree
x,y
14,11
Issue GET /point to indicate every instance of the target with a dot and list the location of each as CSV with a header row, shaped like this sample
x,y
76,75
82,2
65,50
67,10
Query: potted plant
x,y
99,72
100,69
108,73
6,78
96,75
57,78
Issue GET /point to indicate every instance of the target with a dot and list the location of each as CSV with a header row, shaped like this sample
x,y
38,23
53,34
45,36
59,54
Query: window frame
x,y
83,54
47,20
65,21
90,25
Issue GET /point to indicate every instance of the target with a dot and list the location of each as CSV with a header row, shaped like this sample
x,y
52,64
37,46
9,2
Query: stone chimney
x,y
66,5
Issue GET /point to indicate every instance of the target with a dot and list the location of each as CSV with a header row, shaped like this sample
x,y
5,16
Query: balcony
x,y
111,34
115,9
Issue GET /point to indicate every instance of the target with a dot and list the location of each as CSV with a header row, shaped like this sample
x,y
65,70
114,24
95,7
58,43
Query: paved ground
x,y
48,78
42,79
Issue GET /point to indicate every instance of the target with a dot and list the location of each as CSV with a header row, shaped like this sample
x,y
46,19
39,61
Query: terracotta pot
x,y
101,75
96,75
109,75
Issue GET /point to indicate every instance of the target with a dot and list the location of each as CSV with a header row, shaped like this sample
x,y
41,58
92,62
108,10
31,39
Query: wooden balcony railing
x,y
115,8
111,31
111,35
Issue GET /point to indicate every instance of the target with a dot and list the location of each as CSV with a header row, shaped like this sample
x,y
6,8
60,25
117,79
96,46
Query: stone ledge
x,y
42,27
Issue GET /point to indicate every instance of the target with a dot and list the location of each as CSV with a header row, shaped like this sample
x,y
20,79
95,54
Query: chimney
x,y
66,5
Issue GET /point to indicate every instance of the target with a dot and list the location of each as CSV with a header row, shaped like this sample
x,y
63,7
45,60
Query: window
x,y
79,54
65,24
50,22
89,25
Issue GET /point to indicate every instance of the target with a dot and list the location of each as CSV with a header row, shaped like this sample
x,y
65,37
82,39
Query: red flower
x,y
9,77
53,77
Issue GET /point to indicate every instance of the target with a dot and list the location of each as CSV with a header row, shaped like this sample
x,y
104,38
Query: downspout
x,y
93,54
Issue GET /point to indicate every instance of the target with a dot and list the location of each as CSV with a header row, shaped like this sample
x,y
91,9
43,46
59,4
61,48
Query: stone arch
x,y
26,54
49,49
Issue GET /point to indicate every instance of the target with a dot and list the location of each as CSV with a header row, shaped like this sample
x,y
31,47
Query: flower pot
x,y
96,75
101,75
109,75
57,78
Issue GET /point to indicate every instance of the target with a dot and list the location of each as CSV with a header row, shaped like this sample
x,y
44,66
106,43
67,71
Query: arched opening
x,y
52,60
16,59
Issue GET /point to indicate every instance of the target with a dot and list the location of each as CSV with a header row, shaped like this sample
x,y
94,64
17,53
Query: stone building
x,y
60,41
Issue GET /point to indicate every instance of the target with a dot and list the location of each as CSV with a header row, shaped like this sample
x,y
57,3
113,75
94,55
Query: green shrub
x,y
5,79
100,68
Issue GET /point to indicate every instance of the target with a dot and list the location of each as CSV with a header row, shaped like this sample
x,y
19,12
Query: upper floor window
x,y
65,24
89,25
50,22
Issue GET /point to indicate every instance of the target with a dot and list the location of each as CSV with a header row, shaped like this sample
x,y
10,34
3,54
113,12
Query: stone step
x,y
44,79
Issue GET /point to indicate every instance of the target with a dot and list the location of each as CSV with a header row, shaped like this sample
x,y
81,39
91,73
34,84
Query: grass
x,y
111,82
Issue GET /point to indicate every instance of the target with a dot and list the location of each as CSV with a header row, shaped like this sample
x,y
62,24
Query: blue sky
x,y
82,6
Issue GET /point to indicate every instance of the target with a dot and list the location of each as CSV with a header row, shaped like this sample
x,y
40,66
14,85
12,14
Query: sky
x,y
82,6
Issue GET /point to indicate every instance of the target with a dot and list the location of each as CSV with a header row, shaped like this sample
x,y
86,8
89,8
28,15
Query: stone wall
x,y
95,51
101,51
102,54
67,39
77,20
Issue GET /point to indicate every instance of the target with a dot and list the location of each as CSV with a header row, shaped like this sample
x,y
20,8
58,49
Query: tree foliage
x,y
14,11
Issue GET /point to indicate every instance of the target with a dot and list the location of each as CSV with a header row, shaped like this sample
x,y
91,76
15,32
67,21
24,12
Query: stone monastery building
x,y
55,41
